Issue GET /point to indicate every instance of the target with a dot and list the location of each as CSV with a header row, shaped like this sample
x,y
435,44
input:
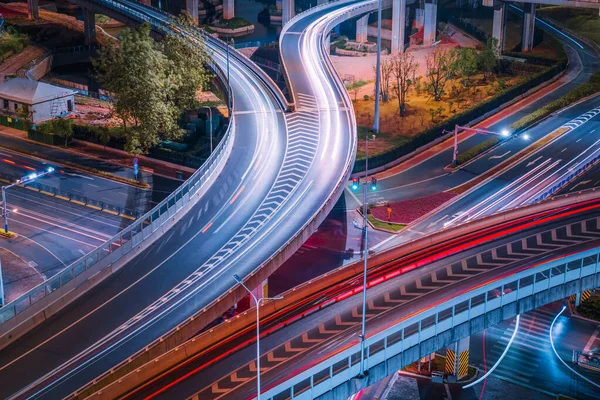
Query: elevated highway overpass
x,y
276,179
422,297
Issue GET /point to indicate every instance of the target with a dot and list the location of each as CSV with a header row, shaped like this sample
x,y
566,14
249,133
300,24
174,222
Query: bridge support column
x,y
528,27
287,11
361,29
191,7
457,359
499,26
419,17
261,291
33,10
398,26
228,9
430,23
89,26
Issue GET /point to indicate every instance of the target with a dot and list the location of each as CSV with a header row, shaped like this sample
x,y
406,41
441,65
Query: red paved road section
x,y
405,212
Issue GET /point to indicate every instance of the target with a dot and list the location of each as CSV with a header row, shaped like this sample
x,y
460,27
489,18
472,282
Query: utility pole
x,y
366,258
378,71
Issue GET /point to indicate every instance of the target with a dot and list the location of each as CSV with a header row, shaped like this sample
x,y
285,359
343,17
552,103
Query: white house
x,y
43,101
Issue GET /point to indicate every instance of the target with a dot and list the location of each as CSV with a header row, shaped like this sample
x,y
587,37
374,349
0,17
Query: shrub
x,y
584,90
590,308
476,150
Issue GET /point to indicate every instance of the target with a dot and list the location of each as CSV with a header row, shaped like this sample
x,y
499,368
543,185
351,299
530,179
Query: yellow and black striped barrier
x,y
463,364
450,356
586,295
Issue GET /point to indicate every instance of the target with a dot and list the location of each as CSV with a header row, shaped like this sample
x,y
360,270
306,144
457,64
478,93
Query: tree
x,y
466,64
103,136
403,67
187,70
441,67
63,128
487,58
387,67
152,83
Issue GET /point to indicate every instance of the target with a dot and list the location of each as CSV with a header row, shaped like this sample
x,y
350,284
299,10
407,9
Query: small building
x,y
43,101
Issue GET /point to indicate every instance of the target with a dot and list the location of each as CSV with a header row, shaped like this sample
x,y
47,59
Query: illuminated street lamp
x,y
504,133
28,179
526,136
258,302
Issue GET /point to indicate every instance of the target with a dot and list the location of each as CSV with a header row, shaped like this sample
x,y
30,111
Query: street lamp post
x,y
210,127
1,287
378,71
365,257
504,133
258,302
28,179
228,84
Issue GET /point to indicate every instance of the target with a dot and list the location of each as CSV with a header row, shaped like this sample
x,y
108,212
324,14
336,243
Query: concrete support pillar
x,y
361,29
191,7
228,9
457,359
398,26
287,11
261,291
89,26
33,10
430,23
528,27
577,299
419,17
499,26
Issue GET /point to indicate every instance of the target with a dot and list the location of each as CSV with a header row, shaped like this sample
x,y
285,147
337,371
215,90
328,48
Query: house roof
x,y
27,91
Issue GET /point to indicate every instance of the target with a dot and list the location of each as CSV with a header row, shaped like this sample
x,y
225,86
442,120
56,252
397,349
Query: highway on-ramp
x,y
280,175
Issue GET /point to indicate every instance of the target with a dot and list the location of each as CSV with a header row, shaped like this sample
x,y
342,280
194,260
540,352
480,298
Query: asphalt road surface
x,y
211,376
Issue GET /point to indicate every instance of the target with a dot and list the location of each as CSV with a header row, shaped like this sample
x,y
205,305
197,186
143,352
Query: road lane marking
x,y
207,227
234,198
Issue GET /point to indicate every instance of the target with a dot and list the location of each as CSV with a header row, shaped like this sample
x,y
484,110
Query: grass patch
x,y
383,141
585,22
385,225
233,23
11,44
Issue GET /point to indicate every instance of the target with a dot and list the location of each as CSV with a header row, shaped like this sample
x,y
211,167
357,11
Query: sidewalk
x,y
89,155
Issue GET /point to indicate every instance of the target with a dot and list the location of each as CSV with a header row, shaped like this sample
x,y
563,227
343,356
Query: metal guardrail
x,y
410,332
122,243
584,168
40,187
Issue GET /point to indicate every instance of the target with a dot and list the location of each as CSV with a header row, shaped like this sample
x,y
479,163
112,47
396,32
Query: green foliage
x,y
584,90
441,67
466,64
152,83
354,87
487,58
474,151
233,23
63,128
590,308
12,44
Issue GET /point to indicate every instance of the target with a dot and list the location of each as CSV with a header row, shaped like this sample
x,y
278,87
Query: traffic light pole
x,y
365,257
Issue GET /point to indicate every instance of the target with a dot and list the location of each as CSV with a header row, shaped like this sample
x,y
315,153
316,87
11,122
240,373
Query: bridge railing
x,y
407,334
120,245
